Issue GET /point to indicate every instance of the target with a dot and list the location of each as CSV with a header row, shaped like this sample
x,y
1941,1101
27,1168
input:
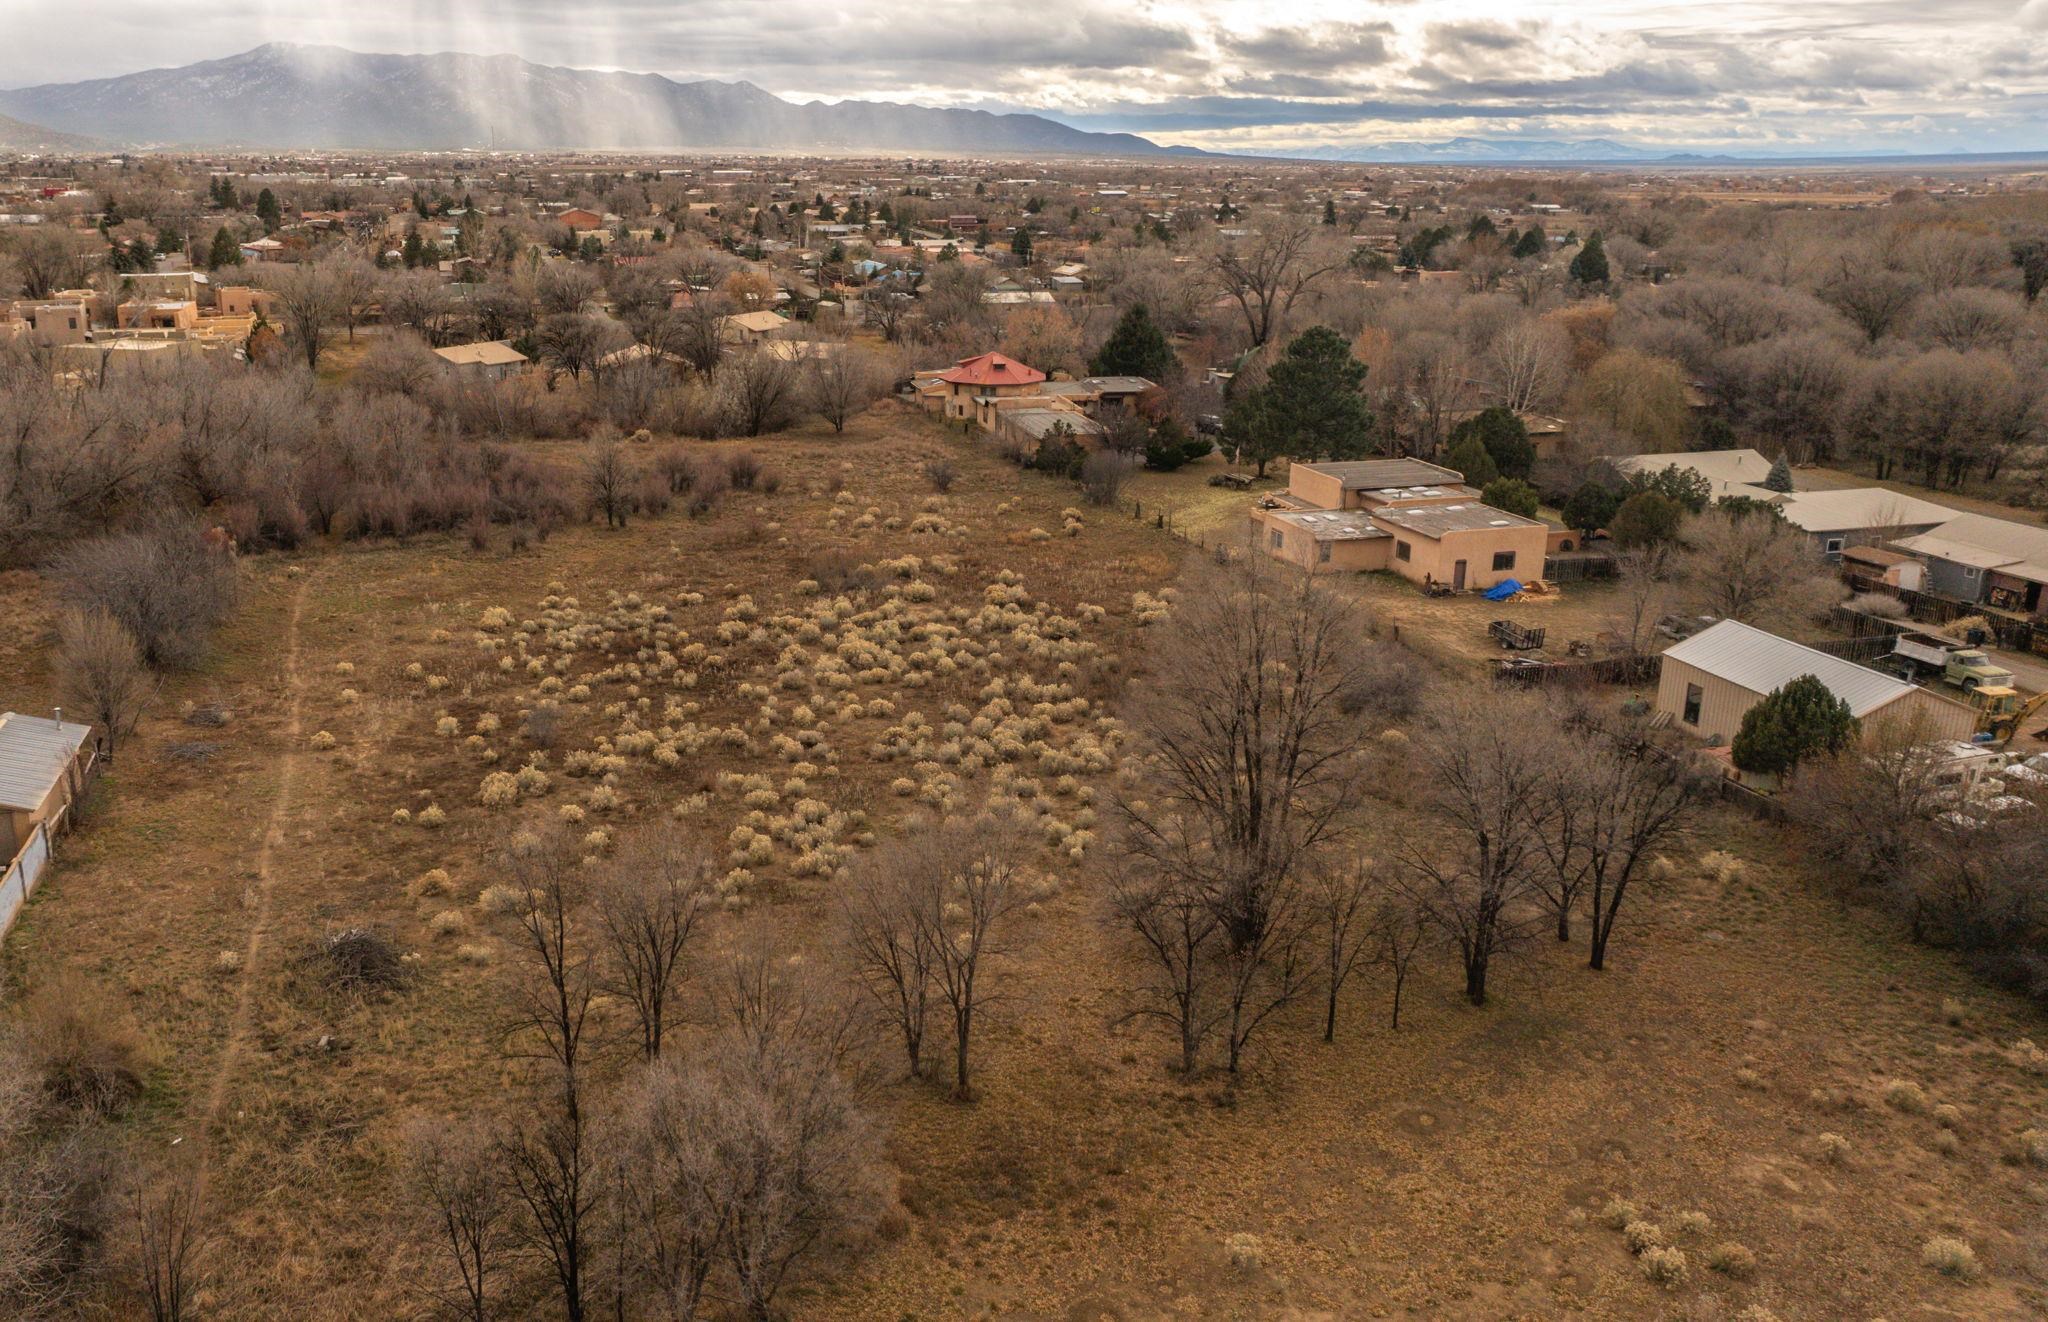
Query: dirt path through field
x,y
260,905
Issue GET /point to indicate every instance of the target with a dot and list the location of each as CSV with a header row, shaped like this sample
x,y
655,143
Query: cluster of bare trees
x,y
1241,890
1965,867
1729,564
926,922
647,1175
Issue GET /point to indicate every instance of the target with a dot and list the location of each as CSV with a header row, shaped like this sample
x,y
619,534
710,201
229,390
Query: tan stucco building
x,y
1417,519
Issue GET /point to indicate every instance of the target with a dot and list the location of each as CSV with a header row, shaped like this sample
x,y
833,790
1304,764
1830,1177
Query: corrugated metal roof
x,y
33,754
1760,662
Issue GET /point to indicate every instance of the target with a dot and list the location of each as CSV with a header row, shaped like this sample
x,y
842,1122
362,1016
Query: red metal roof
x,y
991,369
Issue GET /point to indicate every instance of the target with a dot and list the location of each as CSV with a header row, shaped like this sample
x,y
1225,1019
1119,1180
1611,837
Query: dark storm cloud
x,y
1312,50
1721,70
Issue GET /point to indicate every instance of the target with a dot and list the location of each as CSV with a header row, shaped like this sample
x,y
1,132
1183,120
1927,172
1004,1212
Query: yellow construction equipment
x,y
2001,711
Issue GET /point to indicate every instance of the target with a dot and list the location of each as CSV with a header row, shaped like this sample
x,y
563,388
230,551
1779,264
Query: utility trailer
x,y
1513,637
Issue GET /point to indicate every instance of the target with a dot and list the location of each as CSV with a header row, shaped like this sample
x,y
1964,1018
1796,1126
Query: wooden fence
x,y
1577,568
2012,633
1610,670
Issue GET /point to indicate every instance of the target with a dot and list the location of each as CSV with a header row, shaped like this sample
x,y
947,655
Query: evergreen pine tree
x,y
1780,476
1310,407
225,251
1791,724
268,211
1469,457
1589,267
1136,347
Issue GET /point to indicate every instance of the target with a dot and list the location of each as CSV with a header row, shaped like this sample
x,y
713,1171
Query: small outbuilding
x,y
43,762
1709,681
493,360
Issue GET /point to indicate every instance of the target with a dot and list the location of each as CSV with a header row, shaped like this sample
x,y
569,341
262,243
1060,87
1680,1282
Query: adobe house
x,y
984,376
56,323
244,301
157,314
1417,519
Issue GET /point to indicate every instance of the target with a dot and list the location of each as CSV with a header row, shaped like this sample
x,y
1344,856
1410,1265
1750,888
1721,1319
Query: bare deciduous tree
x,y
1248,734
101,674
1644,590
1615,798
649,897
758,392
610,480
890,962
1248,739
844,383
1403,931
453,1171
1755,568
548,1153
164,584
1267,270
1485,762
572,342
1176,926
165,1212
310,303
927,920
1344,900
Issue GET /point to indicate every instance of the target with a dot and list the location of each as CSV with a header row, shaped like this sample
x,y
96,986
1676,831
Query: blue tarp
x,y
1502,590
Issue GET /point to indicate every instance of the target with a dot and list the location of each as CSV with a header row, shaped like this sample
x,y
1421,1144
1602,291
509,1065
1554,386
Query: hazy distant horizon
x,y
1736,77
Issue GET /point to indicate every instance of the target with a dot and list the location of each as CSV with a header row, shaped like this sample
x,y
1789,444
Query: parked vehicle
x,y
1968,668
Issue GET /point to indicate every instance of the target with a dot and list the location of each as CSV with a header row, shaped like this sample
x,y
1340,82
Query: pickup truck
x,y
1964,667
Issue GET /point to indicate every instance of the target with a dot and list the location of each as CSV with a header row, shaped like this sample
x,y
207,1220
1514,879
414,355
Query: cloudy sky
x,y
1778,76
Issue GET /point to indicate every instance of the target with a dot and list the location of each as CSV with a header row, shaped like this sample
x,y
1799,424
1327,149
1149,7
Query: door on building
x,y
1458,576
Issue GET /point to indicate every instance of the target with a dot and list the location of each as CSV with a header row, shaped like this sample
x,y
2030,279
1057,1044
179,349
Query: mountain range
x,y
1486,150
17,135
283,95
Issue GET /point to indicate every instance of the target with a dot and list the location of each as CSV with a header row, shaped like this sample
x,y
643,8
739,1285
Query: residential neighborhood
x,y
1244,666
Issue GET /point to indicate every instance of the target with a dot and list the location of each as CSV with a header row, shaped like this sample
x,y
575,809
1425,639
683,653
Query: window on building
x,y
1323,553
1503,560
1834,546
1693,696
1279,539
1402,551
1969,571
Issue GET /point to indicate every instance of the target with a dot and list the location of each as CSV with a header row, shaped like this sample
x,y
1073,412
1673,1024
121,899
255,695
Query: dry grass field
x,y
1463,1167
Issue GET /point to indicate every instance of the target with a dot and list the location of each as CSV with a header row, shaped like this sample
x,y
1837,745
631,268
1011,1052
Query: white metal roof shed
x,y
34,752
1761,662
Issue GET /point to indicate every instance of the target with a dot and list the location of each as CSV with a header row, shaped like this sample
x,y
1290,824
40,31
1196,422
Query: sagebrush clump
x,y
1665,1266
1950,1256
